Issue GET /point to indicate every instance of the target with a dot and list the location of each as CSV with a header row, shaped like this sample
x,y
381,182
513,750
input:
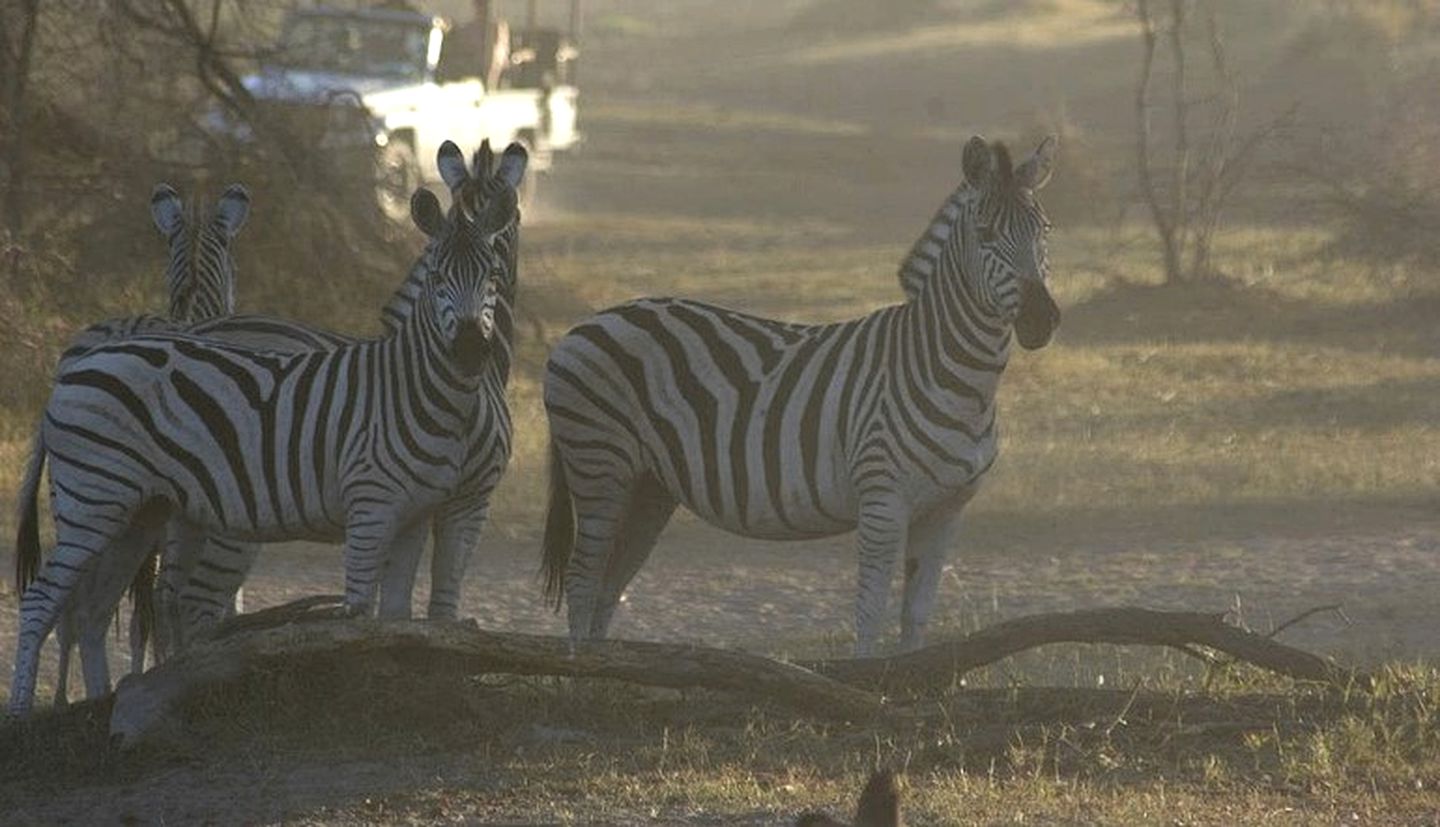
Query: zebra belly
x,y
777,500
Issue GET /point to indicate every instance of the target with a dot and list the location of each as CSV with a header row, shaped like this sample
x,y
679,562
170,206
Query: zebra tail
x,y
559,531
27,538
142,599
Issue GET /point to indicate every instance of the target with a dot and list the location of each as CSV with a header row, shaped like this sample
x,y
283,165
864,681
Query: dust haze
x,y
1252,426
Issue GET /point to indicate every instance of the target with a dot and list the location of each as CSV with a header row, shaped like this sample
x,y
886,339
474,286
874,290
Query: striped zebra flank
x,y
883,425
200,281
361,442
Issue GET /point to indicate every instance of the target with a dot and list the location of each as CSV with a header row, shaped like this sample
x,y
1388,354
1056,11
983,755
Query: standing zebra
x,y
360,442
883,424
200,280
197,589
204,588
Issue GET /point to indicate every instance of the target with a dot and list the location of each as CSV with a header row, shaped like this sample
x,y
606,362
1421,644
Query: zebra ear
x,y
166,210
233,209
978,162
512,165
451,162
1034,173
426,213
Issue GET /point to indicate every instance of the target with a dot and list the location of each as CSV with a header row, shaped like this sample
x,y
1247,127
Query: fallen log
x,y
147,705
940,665
844,689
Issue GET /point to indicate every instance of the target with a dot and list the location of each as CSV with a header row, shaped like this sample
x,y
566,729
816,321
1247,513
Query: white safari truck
x,y
394,84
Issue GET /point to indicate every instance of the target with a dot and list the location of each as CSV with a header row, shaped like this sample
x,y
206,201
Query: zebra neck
x,y
419,362
923,260
402,302
965,348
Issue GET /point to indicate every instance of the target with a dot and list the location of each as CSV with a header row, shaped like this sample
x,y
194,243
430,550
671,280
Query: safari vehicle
x,y
391,83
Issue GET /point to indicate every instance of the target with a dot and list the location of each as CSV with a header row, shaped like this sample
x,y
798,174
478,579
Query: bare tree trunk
x,y
1164,223
1180,169
1216,160
17,77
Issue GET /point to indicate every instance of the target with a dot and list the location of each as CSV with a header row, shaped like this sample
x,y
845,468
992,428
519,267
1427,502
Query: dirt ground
x,y
1382,564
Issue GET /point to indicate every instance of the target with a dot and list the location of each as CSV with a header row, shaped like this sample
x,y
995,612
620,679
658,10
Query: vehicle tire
x,y
397,176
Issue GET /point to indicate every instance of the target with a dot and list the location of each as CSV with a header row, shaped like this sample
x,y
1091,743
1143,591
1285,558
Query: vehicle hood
x,y
302,86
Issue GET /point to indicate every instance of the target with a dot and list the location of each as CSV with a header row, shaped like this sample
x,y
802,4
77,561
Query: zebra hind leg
x,y
45,600
105,587
599,511
651,507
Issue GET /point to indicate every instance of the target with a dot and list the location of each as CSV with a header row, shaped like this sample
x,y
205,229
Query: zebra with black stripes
x,y
884,424
197,588
199,273
200,282
362,442
203,589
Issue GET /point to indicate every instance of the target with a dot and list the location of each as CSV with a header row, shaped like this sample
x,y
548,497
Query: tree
x,y
1186,194
19,29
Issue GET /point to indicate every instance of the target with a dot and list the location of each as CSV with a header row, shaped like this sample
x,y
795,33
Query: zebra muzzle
x,y
472,341
1039,315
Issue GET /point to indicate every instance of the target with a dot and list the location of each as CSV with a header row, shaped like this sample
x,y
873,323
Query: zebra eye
x,y
987,234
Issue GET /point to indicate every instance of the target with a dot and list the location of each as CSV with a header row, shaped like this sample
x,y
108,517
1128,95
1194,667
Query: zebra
x,y
360,441
200,281
200,589
458,522
199,274
884,424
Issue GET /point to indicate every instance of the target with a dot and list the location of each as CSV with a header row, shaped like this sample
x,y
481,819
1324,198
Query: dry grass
x,y
599,752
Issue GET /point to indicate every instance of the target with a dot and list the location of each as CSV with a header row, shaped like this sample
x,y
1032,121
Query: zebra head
x,y
464,271
474,187
200,275
1002,238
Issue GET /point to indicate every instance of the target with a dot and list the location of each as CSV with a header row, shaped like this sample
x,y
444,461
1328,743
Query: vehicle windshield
x,y
354,46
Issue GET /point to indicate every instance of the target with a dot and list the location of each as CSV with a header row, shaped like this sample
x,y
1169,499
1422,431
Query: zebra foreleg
x,y
402,560
368,536
457,533
930,540
650,510
883,529
211,590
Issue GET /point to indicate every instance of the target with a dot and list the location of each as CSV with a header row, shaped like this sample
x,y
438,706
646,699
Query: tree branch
x,y
939,665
